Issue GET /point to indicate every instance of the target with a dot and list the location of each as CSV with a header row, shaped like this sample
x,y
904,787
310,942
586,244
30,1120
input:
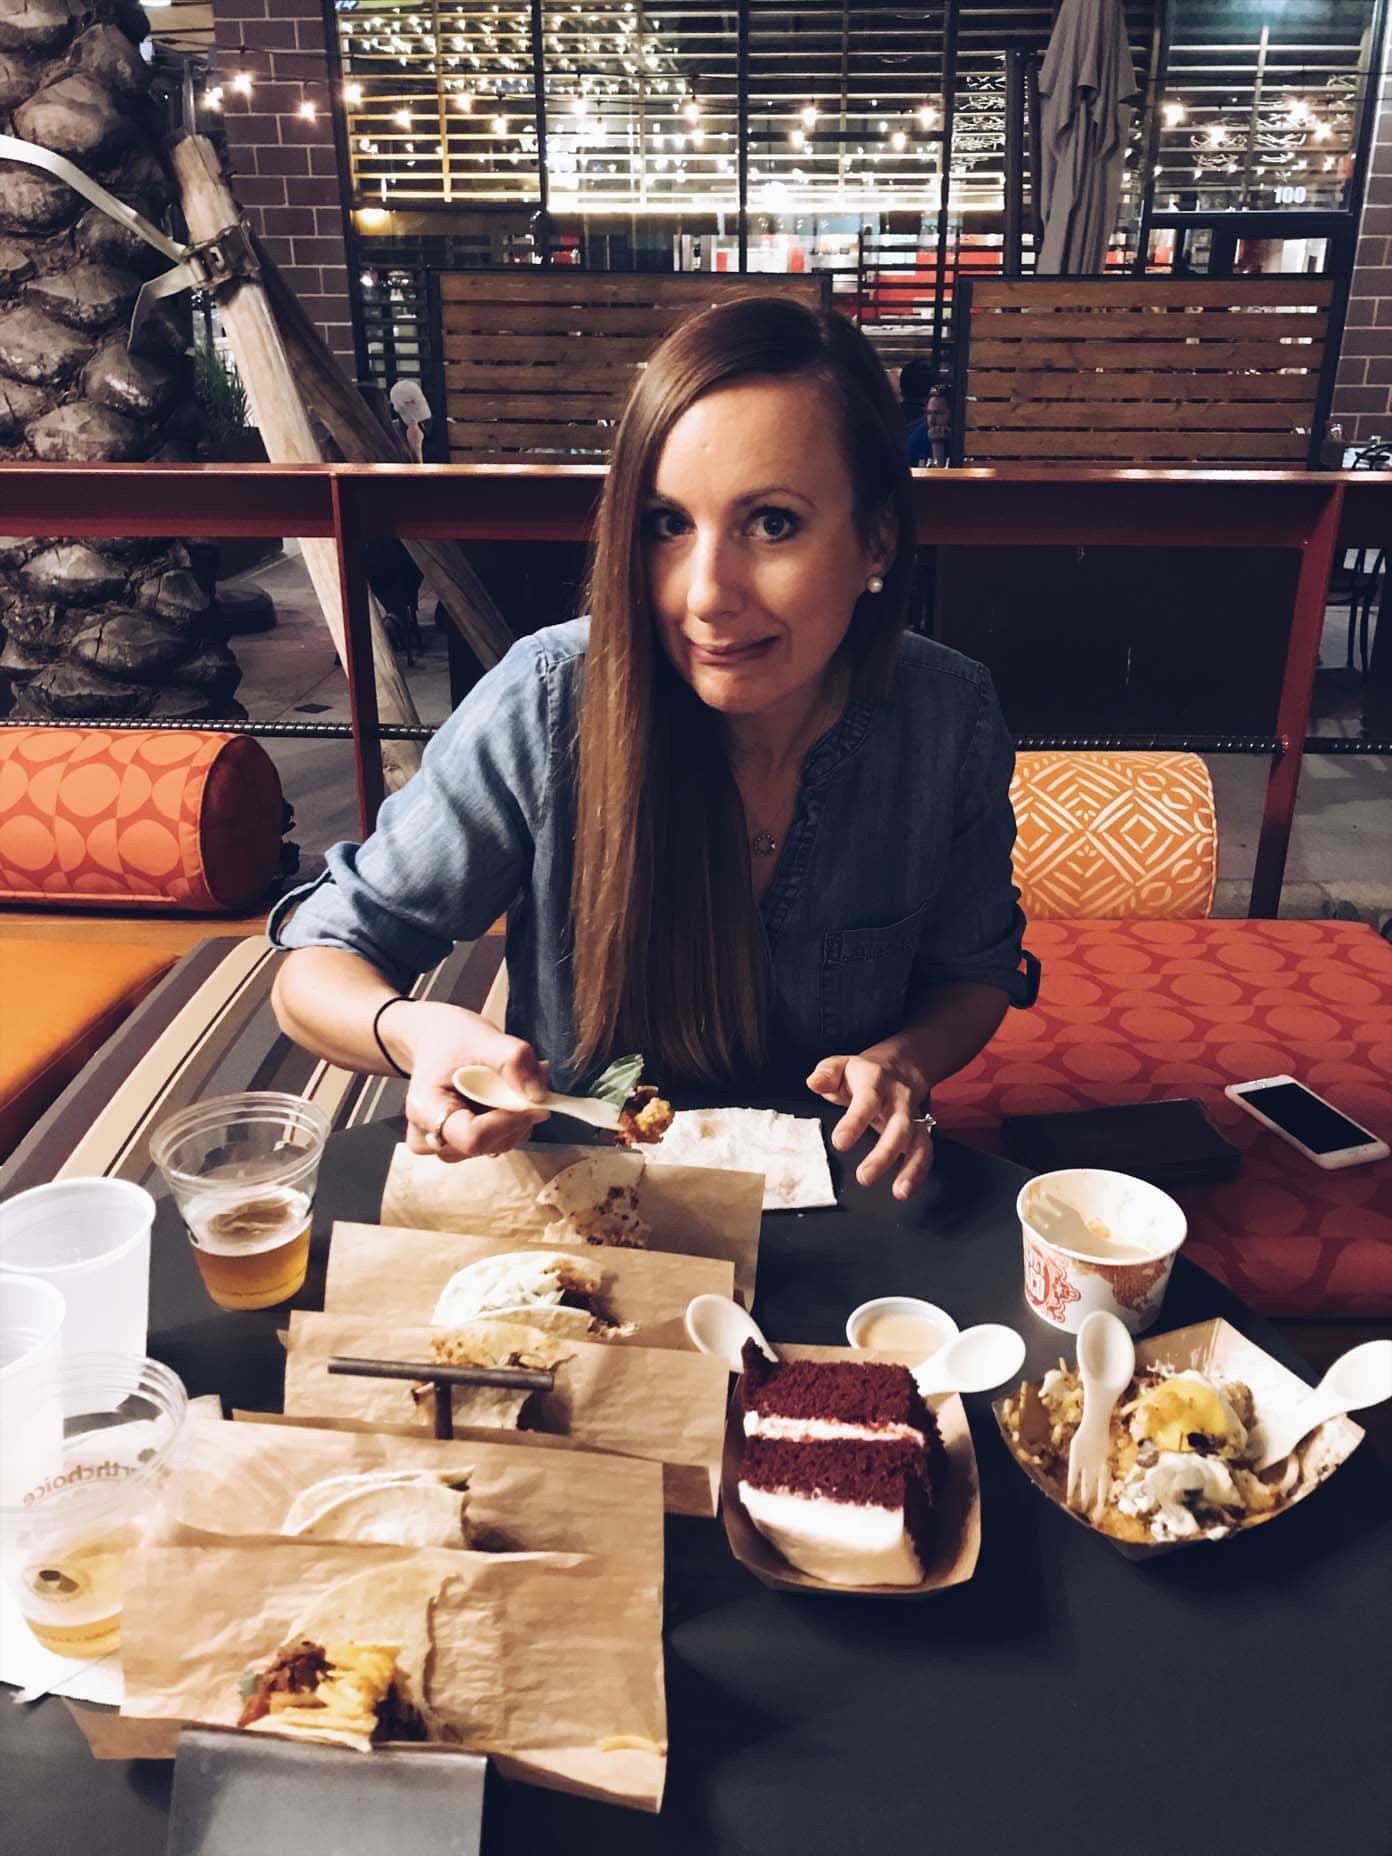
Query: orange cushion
x,y
1137,1011
1114,835
58,1004
162,818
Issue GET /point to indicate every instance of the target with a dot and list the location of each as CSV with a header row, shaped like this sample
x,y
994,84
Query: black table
x,y
1228,1699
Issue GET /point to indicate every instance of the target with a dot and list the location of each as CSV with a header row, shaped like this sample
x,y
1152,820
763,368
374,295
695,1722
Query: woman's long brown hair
x,y
669,954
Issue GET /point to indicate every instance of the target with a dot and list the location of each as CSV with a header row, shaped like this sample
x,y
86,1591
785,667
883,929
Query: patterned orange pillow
x,y
1114,836
184,819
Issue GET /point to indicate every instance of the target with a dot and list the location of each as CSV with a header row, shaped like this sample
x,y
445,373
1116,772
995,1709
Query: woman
x,y
738,820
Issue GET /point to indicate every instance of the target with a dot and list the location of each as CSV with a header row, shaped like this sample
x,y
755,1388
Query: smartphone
x,y
1307,1121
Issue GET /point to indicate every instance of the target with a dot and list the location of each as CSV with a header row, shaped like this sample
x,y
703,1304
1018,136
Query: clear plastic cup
x,y
31,1423
65,1543
243,1170
90,1238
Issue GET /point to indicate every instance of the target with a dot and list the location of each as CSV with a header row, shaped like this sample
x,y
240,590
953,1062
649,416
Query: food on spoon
x,y
558,1292
1181,1452
401,1508
841,1467
595,1201
644,1116
353,1670
491,1343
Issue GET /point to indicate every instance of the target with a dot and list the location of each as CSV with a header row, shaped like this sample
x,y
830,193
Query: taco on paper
x,y
388,1507
556,1292
595,1201
354,1670
491,1343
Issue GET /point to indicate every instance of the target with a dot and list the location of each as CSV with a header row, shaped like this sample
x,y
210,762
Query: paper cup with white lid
x,y
1095,1239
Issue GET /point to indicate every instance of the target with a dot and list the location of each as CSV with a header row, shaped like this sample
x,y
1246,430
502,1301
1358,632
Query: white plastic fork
x,y
1106,1361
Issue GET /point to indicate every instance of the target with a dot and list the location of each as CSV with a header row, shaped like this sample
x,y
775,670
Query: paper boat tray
x,y
1216,1346
958,1540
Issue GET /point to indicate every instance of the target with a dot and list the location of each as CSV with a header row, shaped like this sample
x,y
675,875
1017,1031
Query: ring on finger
x,y
435,1138
927,1121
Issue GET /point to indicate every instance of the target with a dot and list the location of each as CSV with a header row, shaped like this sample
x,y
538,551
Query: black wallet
x,y
1169,1143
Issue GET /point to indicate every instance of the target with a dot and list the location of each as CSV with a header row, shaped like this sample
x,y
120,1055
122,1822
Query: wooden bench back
x,y
1169,373
539,363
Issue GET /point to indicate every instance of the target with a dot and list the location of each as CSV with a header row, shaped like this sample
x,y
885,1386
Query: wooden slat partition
x,y
1137,371
538,363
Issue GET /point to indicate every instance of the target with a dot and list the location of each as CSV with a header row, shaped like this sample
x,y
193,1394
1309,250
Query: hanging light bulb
x,y
808,115
927,117
402,118
898,141
499,125
308,112
1173,113
352,95
798,138
212,99
691,109
241,83
1323,131
464,101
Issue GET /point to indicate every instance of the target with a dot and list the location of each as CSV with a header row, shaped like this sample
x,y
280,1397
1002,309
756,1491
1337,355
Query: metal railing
x,y
1315,515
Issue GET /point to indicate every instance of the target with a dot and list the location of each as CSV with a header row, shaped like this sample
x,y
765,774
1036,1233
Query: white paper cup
x,y
1094,1239
31,1419
90,1238
907,1325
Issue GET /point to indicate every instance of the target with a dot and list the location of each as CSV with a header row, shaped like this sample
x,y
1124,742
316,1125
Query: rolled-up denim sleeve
x,y
453,848
977,930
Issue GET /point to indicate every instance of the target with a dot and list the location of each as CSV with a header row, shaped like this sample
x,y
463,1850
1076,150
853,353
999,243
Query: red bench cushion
x,y
1135,1011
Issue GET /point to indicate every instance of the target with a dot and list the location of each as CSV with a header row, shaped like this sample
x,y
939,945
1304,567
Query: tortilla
x,y
359,1623
596,1202
395,1508
494,1343
527,1286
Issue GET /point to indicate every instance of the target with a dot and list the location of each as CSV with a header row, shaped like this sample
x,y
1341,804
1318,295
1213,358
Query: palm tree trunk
x,y
93,628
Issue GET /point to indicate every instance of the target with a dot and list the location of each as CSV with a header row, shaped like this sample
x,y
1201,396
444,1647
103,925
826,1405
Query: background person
x,y
738,819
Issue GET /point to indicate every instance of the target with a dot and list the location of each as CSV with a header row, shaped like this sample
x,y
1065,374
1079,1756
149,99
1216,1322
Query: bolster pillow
x,y
188,819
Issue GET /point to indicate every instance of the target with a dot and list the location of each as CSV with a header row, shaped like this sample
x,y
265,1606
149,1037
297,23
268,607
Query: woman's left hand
x,y
877,1094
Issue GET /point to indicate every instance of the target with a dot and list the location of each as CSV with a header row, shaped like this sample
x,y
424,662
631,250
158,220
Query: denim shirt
x,y
894,878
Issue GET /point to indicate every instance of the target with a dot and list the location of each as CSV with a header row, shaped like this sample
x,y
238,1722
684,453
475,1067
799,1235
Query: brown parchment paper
x,y
538,1658
239,1479
695,1211
957,1544
663,1406
1218,1347
381,1269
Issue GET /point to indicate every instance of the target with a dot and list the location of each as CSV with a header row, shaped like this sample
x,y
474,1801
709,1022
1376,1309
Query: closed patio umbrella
x,y
1087,88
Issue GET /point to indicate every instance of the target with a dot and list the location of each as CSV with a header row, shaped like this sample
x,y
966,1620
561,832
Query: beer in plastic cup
x,y
90,1238
243,1170
65,1542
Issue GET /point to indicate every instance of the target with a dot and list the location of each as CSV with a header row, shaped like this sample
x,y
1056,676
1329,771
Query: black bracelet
x,y
397,998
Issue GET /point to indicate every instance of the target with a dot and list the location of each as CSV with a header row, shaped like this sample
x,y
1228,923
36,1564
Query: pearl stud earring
x,y
875,584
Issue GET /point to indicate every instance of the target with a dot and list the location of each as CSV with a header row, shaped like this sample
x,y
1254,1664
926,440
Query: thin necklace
x,y
763,843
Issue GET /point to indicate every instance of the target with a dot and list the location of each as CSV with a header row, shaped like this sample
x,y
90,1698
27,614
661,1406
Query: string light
x,y
927,117
308,111
212,99
809,115
691,109
499,125
798,138
402,118
352,95
898,141
241,83
1173,113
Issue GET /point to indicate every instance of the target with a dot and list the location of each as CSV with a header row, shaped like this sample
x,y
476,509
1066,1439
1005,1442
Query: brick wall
x,y
1363,388
285,168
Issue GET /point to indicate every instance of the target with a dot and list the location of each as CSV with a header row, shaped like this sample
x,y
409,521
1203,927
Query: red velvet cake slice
x,y
840,1467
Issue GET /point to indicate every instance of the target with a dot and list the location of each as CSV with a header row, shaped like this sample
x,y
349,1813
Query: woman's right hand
x,y
434,1040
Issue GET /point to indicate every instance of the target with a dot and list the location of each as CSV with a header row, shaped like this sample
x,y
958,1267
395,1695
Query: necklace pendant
x,y
763,844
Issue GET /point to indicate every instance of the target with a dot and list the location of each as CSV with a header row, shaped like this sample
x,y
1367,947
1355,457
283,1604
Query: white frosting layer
x,y
827,1430
845,1543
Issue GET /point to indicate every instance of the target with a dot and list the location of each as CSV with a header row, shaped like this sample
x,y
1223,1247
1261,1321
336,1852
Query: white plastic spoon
x,y
720,1327
485,1086
1106,1362
972,1361
1358,1378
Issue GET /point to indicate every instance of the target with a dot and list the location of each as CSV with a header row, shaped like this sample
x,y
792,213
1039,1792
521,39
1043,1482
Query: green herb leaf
x,y
619,1081
246,1688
